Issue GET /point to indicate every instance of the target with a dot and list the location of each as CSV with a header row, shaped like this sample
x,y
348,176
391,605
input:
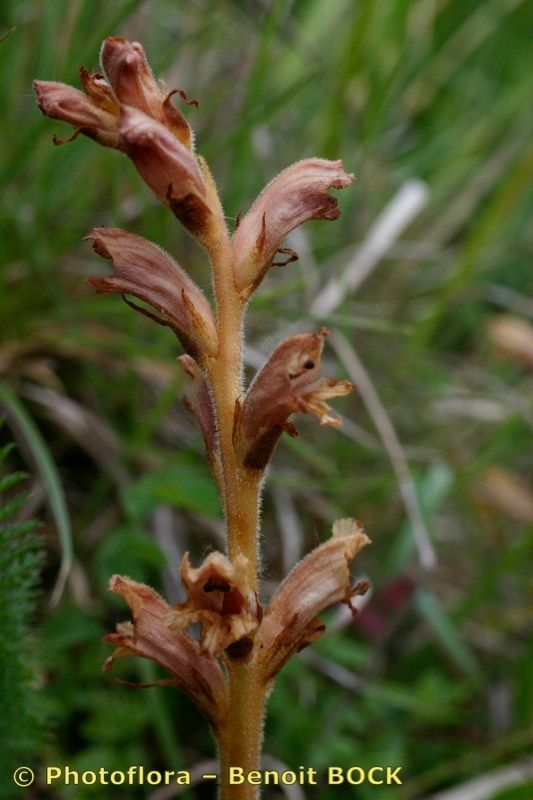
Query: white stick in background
x,y
406,204
358,374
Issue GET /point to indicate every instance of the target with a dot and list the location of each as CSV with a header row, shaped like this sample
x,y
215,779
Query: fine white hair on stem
x,y
359,375
404,207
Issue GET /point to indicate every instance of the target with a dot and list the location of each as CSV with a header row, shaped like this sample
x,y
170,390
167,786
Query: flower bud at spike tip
x,y
128,112
131,78
161,159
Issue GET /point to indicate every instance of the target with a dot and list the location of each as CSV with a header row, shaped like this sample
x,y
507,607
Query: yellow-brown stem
x,y
241,738
241,485
240,744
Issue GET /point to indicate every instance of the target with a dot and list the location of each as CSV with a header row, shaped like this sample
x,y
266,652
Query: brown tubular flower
x,y
195,673
161,159
170,169
296,195
95,113
289,381
321,579
219,597
146,271
129,73
128,112
200,404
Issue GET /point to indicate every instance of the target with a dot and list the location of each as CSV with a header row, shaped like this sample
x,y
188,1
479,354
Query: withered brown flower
x,y
160,158
321,579
289,382
219,597
146,271
296,195
148,635
199,403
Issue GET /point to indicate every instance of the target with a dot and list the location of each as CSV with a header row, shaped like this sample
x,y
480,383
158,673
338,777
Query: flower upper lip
x,y
296,195
289,382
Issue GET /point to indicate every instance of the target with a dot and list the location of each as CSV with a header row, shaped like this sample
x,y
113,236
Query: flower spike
x,y
219,597
296,195
227,669
289,382
321,579
147,272
195,673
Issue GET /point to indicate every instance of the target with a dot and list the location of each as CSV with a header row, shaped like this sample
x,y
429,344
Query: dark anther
x,y
213,585
239,650
184,97
58,141
142,310
291,256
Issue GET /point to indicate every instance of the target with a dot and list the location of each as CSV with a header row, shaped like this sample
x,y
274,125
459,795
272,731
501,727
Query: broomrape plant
x,y
229,671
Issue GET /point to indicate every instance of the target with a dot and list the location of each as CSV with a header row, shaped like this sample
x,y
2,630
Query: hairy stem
x,y
240,741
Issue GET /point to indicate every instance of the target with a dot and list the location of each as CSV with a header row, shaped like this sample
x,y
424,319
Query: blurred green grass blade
x,y
35,442
111,24
498,213
181,483
432,490
162,719
259,115
7,33
355,32
254,89
52,15
440,623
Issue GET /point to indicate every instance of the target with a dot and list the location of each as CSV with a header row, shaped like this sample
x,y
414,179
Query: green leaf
x,y
432,489
28,430
449,637
182,484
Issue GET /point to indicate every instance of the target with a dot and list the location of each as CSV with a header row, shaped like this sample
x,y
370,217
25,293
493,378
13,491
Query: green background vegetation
x,y
436,674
